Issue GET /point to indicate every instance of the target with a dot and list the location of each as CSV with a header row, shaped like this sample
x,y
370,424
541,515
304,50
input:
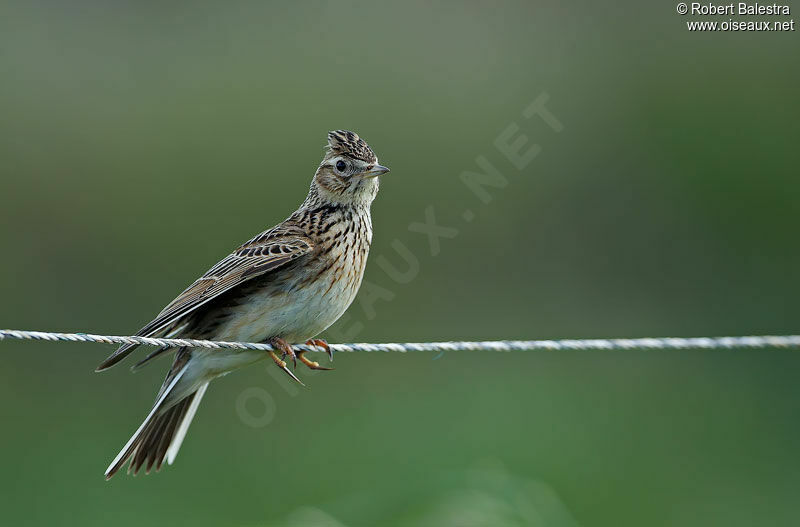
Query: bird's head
x,y
349,171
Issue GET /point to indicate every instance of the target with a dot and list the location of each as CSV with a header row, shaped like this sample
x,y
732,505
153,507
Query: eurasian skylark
x,y
285,286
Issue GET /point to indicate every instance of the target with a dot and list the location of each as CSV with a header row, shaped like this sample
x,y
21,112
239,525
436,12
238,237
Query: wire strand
x,y
649,343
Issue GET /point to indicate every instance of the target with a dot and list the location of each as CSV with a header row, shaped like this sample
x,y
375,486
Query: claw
x,y
292,375
310,363
313,364
322,344
290,352
287,350
282,365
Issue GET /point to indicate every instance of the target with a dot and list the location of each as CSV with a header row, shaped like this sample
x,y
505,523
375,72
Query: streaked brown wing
x,y
264,253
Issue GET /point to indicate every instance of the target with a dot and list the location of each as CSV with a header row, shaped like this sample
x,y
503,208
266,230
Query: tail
x,y
160,435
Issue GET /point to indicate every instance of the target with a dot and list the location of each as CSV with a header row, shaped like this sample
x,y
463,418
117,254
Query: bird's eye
x,y
340,166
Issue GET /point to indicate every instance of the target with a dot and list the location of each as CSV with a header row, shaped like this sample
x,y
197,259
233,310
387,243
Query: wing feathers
x,y
264,253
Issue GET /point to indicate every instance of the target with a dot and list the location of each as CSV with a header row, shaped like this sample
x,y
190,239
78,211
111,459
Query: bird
x,y
284,286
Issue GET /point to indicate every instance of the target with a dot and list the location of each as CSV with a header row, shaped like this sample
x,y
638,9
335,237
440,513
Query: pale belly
x,y
293,315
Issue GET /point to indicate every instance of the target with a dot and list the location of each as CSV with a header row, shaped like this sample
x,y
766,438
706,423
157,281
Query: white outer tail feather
x,y
172,451
156,407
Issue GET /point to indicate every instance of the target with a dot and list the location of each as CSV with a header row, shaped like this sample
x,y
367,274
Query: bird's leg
x,y
287,350
322,343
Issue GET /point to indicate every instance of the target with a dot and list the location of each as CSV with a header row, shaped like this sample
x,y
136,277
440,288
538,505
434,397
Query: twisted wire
x,y
648,343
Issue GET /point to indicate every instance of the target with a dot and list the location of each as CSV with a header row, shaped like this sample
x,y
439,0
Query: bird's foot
x,y
286,349
321,343
310,363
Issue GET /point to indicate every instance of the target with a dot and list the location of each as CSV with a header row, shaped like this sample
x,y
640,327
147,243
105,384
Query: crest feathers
x,y
346,143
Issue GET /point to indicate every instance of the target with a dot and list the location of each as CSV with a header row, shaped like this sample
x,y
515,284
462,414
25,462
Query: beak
x,y
375,171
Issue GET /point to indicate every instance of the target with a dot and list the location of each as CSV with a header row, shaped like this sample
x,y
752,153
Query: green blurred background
x,y
141,142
